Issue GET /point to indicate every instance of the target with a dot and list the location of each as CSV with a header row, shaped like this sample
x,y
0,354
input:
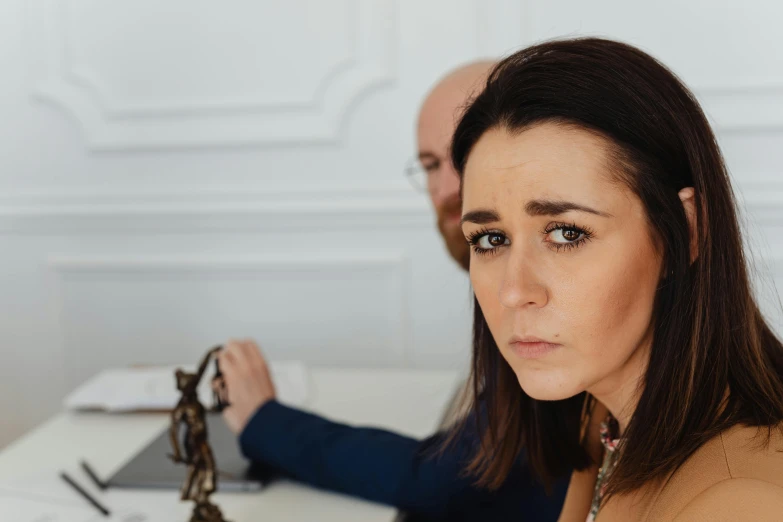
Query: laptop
x,y
152,469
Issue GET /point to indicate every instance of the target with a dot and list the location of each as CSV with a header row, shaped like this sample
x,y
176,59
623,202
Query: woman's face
x,y
562,263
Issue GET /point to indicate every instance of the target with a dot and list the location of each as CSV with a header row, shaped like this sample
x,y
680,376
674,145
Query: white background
x,y
176,172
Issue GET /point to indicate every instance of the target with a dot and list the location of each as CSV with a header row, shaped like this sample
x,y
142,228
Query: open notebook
x,y
153,388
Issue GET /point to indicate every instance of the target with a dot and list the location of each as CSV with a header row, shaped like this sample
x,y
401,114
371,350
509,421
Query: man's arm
x,y
389,468
370,463
366,462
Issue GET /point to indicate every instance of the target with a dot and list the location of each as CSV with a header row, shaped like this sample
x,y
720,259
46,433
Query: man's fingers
x,y
234,347
229,365
242,358
227,361
251,352
256,359
247,380
249,356
235,353
247,346
243,364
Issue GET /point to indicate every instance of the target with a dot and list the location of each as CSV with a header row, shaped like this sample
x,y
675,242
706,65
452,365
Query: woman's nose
x,y
520,285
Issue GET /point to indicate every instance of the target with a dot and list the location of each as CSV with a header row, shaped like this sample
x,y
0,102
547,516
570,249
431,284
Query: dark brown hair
x,y
714,361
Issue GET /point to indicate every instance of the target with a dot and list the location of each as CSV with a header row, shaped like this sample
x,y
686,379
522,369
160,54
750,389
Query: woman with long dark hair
x,y
615,330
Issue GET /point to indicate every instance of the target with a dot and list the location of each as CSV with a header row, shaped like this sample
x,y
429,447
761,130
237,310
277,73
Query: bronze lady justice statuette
x,y
201,478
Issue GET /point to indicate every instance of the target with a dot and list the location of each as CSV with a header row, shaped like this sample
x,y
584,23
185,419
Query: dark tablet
x,y
151,468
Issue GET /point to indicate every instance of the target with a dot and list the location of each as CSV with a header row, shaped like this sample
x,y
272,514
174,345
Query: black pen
x,y
93,476
89,498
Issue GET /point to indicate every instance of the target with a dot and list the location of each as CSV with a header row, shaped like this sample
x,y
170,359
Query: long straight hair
x,y
714,361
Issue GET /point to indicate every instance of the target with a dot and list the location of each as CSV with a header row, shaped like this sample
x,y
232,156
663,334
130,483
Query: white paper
x,y
50,501
14,509
128,389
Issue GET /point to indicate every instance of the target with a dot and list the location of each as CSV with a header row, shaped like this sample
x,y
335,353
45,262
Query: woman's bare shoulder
x,y
735,499
754,453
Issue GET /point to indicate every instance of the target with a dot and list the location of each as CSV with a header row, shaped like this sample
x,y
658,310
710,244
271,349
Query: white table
x,y
406,401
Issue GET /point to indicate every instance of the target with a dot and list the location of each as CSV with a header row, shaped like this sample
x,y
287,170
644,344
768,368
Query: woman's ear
x,y
687,196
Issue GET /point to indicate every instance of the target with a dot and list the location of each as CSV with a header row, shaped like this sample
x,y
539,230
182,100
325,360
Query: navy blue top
x,y
385,467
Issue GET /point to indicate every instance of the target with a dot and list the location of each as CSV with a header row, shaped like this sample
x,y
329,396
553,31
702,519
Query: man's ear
x,y
687,196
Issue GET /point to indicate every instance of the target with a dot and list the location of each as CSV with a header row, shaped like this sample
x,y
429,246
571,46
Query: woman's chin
x,y
545,386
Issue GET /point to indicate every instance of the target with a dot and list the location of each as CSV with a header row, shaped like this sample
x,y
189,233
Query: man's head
x,y
438,117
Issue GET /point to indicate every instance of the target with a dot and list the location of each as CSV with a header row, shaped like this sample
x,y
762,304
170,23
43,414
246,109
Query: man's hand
x,y
248,383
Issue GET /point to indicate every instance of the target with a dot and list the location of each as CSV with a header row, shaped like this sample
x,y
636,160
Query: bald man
x,y
370,463
438,116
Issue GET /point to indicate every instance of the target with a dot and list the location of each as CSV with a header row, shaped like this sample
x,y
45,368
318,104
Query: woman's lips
x,y
532,350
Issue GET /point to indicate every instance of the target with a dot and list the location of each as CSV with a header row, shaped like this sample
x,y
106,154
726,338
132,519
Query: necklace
x,y
611,442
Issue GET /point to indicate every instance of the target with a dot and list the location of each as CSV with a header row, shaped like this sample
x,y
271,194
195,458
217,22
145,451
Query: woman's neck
x,y
620,391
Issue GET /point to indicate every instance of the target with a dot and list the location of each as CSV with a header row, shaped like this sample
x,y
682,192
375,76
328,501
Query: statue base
x,y
206,512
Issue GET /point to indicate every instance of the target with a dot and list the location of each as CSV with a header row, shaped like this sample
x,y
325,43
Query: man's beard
x,y
452,232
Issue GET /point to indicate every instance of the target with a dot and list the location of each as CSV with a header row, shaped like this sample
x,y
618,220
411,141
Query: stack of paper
x,y
46,500
132,389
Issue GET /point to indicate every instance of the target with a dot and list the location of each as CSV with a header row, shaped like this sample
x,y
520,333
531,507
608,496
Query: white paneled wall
x,y
174,173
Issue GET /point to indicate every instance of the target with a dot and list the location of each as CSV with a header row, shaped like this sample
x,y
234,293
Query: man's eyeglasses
x,y
418,170
416,174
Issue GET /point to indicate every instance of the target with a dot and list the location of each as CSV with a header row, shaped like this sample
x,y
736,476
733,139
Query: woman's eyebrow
x,y
535,207
543,207
480,217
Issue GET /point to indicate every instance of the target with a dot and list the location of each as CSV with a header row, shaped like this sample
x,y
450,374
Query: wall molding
x,y
501,27
248,209
767,277
390,267
756,108
212,210
761,203
733,105
110,123
225,209
247,264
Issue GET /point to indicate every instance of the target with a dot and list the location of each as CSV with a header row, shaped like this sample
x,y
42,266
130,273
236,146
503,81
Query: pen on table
x,y
93,476
89,498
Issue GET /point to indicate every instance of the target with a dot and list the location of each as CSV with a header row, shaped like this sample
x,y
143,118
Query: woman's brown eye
x,y
490,241
563,235
496,240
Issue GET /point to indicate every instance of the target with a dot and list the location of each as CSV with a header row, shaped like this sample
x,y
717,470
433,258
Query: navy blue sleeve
x,y
386,467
